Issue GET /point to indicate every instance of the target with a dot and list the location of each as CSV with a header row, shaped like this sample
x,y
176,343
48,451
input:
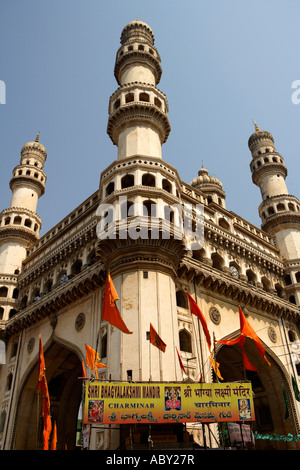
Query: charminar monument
x,y
53,286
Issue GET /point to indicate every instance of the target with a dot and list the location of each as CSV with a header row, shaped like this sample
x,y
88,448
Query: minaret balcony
x,y
20,222
272,163
134,54
137,113
27,174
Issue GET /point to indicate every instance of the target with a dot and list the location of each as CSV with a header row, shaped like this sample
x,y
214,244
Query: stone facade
x,y
54,285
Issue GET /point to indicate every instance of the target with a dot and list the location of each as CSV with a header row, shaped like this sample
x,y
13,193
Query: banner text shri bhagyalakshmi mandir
x,y
128,403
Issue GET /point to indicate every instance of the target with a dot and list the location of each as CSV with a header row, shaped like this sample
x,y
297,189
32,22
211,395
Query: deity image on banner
x,y
95,411
244,408
172,398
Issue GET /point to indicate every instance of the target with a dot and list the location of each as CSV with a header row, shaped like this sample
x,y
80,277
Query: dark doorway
x,y
63,368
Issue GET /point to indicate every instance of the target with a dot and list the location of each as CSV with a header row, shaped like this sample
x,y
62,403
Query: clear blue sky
x,y
225,63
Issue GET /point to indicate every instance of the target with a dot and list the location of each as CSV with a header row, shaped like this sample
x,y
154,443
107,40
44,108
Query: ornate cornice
x,y
138,112
60,297
240,291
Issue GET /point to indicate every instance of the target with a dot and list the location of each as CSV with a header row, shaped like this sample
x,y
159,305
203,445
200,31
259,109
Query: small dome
x,y
137,30
204,179
259,135
34,146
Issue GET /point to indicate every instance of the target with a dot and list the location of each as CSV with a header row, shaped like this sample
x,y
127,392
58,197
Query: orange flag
x,y
156,340
83,369
110,311
93,359
54,437
216,365
196,311
247,330
180,362
43,387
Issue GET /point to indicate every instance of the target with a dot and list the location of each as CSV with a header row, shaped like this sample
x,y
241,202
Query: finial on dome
x,y
256,126
37,139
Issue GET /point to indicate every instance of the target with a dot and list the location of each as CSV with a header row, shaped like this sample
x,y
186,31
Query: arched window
x,y
127,181
48,286
15,293
266,284
127,209
181,299
199,254
129,98
287,280
224,224
185,342
103,352
110,188
117,104
144,97
9,382
251,277
291,206
148,180
12,312
157,102
279,290
91,258
24,301
169,214
27,223
217,261
3,291
17,220
63,278
234,270
280,207
1,313
76,267
166,185
149,208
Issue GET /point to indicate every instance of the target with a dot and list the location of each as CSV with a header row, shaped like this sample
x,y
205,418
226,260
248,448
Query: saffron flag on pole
x,y
156,340
110,311
196,311
54,437
180,362
43,388
215,366
246,331
93,359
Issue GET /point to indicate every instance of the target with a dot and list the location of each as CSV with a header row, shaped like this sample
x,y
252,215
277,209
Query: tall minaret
x,y
141,187
20,224
138,121
279,210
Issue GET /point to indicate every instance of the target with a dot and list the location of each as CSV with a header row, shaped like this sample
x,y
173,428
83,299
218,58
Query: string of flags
x,y
111,314
45,414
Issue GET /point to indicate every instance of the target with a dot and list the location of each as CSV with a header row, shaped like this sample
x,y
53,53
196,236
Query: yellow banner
x,y
127,403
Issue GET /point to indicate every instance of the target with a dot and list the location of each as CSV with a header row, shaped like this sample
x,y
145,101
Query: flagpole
x,y
199,333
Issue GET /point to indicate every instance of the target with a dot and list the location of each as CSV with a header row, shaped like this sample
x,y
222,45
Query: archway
x,y
63,368
267,385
